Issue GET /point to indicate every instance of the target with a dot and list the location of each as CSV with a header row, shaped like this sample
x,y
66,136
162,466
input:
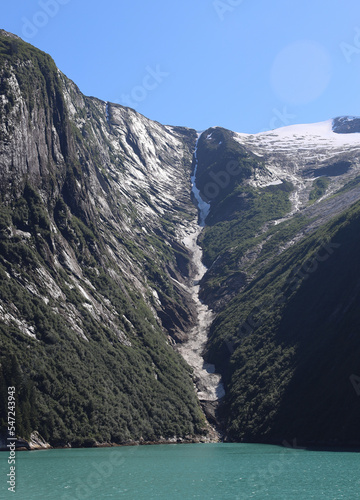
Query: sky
x,y
246,65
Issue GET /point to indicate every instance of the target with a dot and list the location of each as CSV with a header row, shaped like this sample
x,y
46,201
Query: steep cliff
x,y
95,200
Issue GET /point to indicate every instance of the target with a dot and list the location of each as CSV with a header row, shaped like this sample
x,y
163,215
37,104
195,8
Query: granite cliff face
x,y
95,202
114,169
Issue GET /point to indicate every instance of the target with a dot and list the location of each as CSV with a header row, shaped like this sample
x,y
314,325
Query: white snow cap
x,y
313,135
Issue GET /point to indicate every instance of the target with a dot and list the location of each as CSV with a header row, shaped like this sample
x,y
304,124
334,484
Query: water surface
x,y
171,472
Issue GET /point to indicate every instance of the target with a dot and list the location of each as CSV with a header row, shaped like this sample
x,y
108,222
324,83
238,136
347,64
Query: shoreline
x,y
24,445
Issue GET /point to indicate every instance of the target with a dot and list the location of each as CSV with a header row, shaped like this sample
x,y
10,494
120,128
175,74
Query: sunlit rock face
x,y
95,200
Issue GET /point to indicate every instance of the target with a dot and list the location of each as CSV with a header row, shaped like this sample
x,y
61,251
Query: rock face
x,y
95,199
114,169
37,442
346,125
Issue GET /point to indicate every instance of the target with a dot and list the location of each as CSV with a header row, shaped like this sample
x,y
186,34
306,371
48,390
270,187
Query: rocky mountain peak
x,y
8,34
346,125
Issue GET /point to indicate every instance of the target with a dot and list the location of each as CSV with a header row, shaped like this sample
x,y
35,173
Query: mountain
x,y
95,199
106,309
281,242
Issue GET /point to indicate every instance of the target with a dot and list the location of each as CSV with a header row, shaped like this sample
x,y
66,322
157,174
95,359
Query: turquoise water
x,y
202,471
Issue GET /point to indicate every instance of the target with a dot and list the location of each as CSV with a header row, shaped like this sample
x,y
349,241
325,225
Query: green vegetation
x,y
319,188
36,71
349,185
228,240
240,215
256,208
86,390
293,332
12,376
285,336
222,165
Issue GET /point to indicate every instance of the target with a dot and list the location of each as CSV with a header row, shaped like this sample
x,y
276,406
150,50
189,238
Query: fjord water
x,y
171,472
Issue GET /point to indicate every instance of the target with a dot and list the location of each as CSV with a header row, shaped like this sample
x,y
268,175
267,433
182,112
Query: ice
x,y
306,136
203,206
208,383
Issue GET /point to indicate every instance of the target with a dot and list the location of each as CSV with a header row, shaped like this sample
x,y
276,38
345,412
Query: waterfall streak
x,y
208,383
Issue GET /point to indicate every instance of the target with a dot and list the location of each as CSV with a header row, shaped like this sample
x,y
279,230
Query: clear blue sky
x,y
247,65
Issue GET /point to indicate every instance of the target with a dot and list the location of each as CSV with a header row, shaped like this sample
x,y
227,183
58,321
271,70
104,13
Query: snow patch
x,y
208,383
203,206
307,136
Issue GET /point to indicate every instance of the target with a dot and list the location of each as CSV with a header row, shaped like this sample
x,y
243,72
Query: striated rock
x,y
37,442
94,199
